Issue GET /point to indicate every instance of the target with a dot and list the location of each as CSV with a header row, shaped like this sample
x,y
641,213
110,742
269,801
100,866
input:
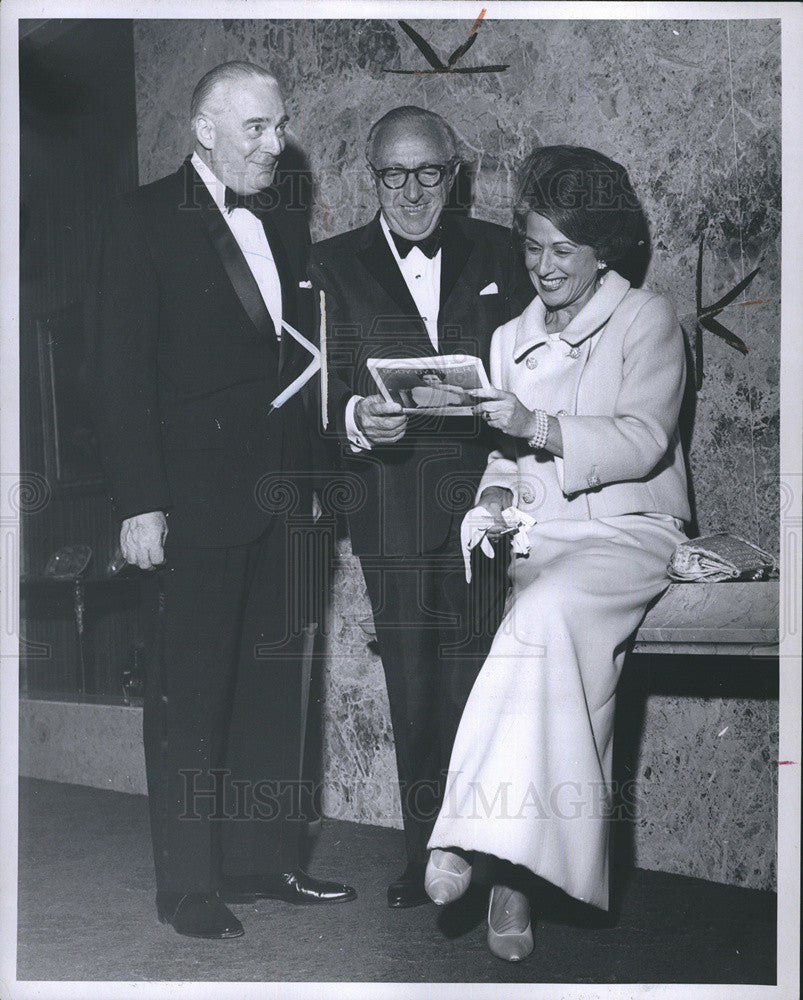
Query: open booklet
x,y
433,385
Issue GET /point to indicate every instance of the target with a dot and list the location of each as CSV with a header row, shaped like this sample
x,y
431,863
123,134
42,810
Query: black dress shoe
x,y
290,887
197,914
408,889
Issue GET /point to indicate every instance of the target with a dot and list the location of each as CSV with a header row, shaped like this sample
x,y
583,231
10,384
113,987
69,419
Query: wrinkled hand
x,y
495,499
381,422
142,539
505,412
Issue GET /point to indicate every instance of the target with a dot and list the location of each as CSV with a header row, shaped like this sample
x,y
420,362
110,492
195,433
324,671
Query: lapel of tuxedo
x,y
275,224
376,257
455,315
456,248
230,254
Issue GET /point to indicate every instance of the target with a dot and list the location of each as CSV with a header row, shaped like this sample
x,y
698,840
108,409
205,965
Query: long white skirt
x,y
530,773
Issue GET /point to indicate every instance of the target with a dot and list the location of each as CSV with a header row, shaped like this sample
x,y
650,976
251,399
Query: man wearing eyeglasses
x,y
417,281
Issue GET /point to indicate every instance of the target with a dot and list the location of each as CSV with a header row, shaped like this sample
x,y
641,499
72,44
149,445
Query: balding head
x,y
411,120
210,88
239,121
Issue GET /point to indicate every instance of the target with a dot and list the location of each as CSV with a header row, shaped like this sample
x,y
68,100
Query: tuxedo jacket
x,y
407,496
184,361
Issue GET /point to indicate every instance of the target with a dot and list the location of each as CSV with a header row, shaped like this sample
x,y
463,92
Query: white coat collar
x,y
530,330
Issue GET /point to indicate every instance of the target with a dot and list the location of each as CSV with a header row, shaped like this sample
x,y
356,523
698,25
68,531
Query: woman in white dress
x,y
588,387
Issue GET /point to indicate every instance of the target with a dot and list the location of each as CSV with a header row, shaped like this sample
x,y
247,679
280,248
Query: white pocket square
x,y
490,289
305,284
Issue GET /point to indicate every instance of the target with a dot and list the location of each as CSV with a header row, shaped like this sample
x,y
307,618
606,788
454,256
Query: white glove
x,y
518,522
474,531
475,527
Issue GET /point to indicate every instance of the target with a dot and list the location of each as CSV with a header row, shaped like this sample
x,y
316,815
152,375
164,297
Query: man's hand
x,y
381,422
495,499
142,539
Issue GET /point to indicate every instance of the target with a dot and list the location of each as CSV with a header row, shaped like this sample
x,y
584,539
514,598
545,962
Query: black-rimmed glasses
x,y
428,175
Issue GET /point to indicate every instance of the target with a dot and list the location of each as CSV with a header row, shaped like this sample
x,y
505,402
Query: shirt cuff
x,y
357,440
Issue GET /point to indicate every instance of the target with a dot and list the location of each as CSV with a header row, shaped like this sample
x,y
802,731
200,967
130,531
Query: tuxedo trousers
x,y
434,631
224,700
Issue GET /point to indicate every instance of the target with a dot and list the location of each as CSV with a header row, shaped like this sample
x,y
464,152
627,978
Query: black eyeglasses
x,y
428,175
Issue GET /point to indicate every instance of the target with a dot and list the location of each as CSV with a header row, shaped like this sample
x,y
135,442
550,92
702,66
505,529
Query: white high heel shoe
x,y
511,946
442,883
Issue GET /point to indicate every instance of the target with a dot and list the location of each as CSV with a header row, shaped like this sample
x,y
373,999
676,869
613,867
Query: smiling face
x,y
241,133
412,211
564,272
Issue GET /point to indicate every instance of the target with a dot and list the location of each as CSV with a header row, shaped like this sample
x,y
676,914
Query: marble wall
x,y
693,109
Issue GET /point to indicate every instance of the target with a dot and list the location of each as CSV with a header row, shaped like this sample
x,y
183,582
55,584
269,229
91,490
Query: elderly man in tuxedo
x,y
417,281
196,278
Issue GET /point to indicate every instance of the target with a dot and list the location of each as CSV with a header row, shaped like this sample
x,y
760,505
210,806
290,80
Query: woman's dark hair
x,y
585,195
432,371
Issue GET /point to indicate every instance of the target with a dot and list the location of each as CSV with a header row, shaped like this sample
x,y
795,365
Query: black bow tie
x,y
428,246
250,201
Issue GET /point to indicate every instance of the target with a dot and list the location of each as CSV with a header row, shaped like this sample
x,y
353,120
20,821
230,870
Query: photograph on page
x,y
436,386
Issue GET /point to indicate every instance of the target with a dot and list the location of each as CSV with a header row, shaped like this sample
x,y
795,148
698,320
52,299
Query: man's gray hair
x,y
414,117
228,72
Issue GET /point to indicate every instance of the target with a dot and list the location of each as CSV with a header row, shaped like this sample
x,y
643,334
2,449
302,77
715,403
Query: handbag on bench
x,y
719,557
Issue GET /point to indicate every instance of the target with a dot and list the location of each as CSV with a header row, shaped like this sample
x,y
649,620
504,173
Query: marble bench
x,y
714,619
710,619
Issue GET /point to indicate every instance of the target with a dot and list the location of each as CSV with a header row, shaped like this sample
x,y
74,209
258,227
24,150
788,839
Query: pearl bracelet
x,y
538,440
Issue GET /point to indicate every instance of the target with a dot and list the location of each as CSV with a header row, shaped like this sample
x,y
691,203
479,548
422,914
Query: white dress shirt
x,y
249,233
422,276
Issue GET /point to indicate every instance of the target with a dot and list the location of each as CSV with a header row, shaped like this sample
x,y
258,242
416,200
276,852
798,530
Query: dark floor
x,y
86,913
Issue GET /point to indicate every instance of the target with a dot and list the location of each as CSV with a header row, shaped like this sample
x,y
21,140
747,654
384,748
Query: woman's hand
x,y
505,412
495,499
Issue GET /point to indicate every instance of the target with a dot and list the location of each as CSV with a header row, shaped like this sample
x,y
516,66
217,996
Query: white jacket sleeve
x,y
502,468
630,443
